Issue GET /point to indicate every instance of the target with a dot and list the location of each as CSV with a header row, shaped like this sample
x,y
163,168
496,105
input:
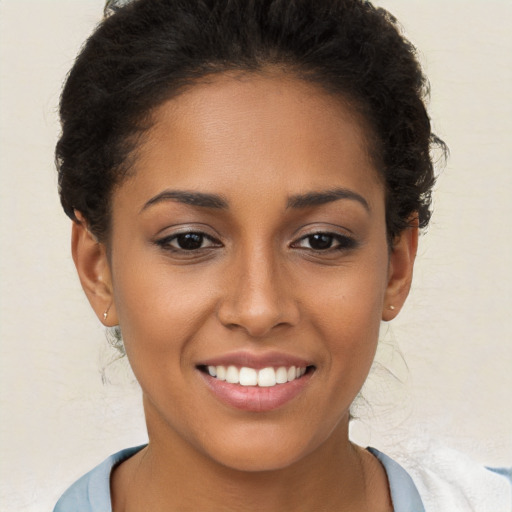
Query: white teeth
x,y
221,372
248,377
265,378
232,375
281,375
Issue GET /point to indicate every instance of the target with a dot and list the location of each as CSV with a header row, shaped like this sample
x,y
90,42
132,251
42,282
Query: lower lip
x,y
254,398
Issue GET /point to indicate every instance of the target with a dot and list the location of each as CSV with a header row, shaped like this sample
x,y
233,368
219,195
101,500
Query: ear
x,y
401,263
93,269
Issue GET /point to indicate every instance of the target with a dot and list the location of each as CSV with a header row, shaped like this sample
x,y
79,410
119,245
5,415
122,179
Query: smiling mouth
x,y
263,378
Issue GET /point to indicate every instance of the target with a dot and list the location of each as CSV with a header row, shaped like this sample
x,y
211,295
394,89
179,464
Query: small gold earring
x,y
105,314
392,308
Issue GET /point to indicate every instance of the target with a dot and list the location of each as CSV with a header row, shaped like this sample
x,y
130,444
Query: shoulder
x,y
91,493
404,493
447,480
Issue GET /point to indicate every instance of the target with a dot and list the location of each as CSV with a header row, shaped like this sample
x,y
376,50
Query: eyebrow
x,y
188,197
217,202
324,197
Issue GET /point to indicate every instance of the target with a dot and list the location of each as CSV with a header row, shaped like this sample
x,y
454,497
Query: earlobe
x,y
93,269
401,264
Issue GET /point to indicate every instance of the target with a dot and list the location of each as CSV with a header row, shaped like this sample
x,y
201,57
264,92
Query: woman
x,y
246,182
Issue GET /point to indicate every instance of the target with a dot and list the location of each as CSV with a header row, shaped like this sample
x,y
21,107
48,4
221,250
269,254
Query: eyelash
x,y
343,242
166,243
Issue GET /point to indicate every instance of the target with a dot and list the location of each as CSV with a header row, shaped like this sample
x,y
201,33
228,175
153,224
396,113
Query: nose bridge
x,y
258,298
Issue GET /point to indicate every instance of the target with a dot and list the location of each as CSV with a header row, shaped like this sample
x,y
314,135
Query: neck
x,y
170,474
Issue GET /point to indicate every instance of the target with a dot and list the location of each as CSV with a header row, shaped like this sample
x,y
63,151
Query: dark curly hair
x,y
148,51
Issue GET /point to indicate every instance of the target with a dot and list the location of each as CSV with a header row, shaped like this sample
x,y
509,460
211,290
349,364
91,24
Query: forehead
x,y
256,131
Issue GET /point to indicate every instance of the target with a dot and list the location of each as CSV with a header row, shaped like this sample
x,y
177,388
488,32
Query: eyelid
x,y
344,237
336,236
171,238
165,240
313,228
184,228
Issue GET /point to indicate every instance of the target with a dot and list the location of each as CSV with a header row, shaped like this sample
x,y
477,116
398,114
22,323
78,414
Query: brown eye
x,y
325,242
188,241
320,241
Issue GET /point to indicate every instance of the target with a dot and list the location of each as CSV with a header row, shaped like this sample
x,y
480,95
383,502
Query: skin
x,y
257,284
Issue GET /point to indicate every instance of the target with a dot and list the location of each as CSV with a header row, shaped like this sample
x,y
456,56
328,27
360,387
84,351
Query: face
x,y
249,269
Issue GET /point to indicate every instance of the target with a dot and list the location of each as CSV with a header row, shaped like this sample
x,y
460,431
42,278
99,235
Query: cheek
x,y
161,310
347,314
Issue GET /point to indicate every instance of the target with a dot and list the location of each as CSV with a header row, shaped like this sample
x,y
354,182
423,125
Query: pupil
x,y
320,241
190,241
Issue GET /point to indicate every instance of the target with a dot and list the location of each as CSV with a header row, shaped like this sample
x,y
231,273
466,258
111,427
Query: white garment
x,y
449,481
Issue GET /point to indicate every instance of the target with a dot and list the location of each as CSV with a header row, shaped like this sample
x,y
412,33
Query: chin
x,y
255,460
263,449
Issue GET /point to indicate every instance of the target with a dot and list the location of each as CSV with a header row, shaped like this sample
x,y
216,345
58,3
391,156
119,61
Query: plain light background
x,y
66,404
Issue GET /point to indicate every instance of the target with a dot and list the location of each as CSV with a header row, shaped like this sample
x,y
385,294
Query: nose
x,y
258,297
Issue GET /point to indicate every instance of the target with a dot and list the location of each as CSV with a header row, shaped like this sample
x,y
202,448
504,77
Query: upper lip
x,y
256,361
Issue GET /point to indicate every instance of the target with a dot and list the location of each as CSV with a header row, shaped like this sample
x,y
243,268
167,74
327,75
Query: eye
x,y
188,241
325,242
